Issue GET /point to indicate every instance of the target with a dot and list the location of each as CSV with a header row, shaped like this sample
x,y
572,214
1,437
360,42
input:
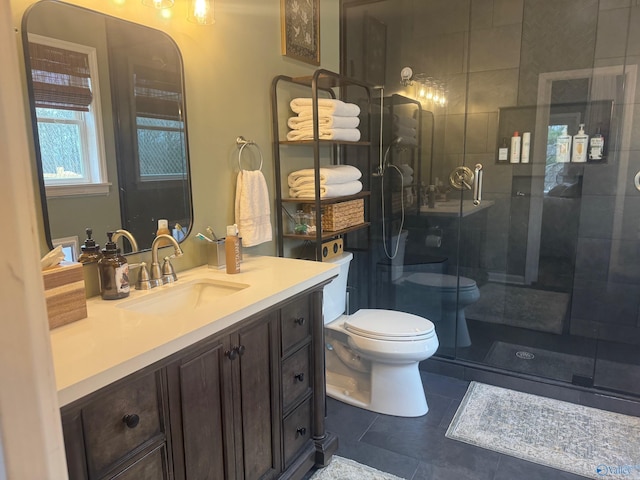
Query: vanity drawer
x,y
296,322
153,466
296,431
121,421
296,379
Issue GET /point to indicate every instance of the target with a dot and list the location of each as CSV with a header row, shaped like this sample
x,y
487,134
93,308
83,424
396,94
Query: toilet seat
x,y
389,325
441,281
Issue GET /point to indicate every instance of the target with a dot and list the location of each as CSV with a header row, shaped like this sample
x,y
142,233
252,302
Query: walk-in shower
x,y
553,249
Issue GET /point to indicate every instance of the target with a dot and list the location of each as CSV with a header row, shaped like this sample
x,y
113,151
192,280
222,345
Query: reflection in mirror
x,y
107,105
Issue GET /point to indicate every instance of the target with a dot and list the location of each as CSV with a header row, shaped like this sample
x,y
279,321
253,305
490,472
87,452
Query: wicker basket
x,y
338,216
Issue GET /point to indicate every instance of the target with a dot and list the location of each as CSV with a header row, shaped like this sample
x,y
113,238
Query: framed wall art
x,y
301,30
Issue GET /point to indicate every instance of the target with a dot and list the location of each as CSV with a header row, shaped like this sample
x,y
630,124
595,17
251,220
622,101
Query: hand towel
x,y
331,174
326,191
328,106
302,122
253,214
344,134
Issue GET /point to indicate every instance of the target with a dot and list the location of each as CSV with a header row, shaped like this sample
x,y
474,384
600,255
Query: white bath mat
x,y
582,440
345,469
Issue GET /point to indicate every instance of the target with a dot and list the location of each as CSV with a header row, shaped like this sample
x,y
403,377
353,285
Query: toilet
x,y
372,355
442,298
423,289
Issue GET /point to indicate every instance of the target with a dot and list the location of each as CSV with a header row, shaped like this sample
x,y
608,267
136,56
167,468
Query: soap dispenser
x,y
90,249
114,272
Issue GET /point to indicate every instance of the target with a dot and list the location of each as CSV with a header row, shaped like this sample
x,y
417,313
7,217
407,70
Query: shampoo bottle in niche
x,y
515,148
596,147
114,272
503,151
526,147
232,249
580,143
563,147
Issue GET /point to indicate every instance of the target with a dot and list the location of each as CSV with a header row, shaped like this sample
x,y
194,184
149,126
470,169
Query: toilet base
x,y
387,389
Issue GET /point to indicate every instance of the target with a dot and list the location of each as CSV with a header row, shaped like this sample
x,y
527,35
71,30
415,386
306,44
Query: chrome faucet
x,y
157,275
124,233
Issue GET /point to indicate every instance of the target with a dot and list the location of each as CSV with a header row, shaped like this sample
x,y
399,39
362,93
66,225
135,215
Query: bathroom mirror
x,y
109,123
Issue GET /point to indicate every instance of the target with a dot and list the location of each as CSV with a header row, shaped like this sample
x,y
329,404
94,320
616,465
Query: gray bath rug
x,y
520,307
345,469
535,361
581,440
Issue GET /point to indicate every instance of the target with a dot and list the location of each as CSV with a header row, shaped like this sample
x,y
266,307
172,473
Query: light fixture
x,y
201,12
159,4
429,91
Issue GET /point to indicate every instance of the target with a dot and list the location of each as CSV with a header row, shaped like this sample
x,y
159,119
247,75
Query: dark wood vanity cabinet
x,y
223,402
246,403
121,431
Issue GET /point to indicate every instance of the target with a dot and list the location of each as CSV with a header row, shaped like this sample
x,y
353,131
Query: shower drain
x,y
525,355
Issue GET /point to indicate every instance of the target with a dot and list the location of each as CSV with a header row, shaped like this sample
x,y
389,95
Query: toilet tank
x,y
335,293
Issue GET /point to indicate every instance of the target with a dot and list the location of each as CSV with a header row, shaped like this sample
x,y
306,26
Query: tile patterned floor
x,y
417,449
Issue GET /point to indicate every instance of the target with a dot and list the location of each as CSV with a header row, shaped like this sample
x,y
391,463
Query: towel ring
x,y
242,143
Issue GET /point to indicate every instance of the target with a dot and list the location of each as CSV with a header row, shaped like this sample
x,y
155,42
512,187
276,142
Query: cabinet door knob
x,y
131,420
231,354
240,349
302,431
299,377
299,320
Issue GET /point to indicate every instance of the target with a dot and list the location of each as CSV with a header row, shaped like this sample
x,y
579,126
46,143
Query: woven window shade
x,y
158,93
61,78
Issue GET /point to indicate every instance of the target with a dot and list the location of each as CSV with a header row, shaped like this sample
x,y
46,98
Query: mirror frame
x,y
34,122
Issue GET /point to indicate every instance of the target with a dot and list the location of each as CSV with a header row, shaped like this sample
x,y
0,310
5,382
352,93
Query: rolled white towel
x,y
406,169
326,191
328,106
404,132
302,122
405,121
344,134
329,175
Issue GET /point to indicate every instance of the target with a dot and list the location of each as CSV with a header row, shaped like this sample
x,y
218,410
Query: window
x,y
66,93
159,124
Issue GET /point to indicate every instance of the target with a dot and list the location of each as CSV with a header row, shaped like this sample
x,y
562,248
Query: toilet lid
x,y
389,325
439,280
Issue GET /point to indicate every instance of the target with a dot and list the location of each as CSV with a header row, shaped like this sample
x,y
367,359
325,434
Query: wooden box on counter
x,y
64,293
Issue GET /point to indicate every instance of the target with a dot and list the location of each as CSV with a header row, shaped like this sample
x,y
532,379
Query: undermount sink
x,y
182,298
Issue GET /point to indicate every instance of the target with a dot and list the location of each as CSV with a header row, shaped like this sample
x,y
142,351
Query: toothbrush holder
x,y
216,255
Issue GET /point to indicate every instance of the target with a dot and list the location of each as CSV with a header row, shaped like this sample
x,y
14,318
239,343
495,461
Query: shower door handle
x,y
477,185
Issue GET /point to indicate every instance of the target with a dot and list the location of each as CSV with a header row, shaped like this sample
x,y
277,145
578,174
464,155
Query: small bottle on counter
x,y
232,249
114,272
163,229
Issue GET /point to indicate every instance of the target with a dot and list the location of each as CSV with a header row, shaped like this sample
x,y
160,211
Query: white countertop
x,y
113,342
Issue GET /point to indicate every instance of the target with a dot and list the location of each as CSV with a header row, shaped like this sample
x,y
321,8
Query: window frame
x,y
92,134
